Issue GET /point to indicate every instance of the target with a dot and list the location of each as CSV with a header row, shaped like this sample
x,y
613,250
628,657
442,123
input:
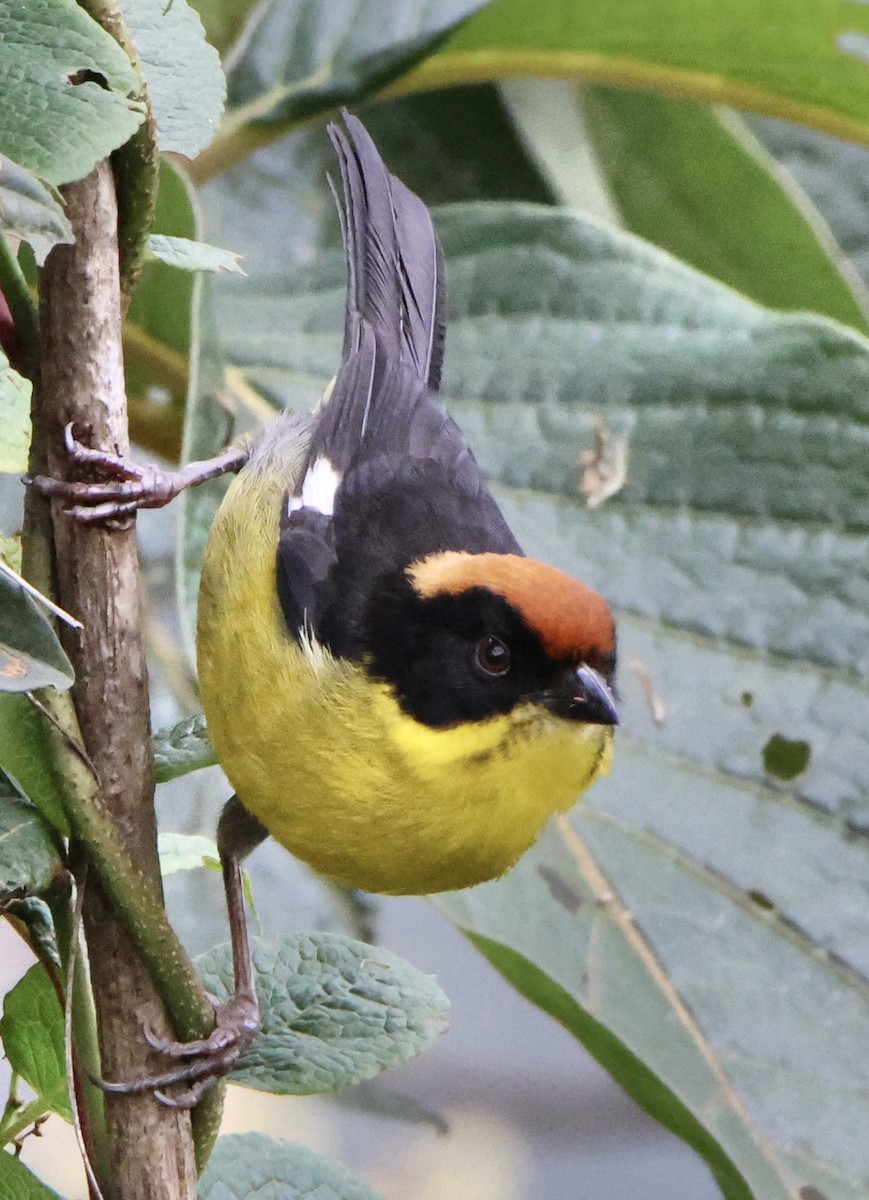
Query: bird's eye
x,y
492,656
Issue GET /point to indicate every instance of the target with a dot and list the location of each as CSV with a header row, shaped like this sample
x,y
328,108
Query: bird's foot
x,y
197,1065
121,486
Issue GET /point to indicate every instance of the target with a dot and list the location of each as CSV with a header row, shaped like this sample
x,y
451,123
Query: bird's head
x,y
465,637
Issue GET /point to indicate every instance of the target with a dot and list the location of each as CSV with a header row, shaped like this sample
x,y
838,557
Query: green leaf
x,y
327,57
696,182
183,748
31,211
65,87
297,60
158,327
29,862
193,256
647,1088
186,852
17,1182
33,1038
14,418
687,371
334,1012
547,116
224,20
699,917
804,63
250,1164
186,84
25,755
832,173
31,656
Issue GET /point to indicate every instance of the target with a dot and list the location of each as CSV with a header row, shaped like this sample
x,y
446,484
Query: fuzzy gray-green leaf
x,y
334,1012
185,82
29,861
243,1165
65,87
31,211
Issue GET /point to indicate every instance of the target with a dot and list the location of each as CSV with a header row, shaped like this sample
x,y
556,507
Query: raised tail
x,y
395,270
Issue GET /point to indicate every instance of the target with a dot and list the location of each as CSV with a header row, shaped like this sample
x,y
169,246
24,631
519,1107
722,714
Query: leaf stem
x,y
12,1105
13,1125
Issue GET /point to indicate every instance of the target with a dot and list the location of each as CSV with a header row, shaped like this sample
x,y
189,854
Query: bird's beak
x,y
585,696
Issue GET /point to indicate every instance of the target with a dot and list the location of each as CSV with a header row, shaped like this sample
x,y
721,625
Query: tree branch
x,y
82,381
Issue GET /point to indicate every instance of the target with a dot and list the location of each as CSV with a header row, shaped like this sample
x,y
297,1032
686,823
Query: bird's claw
x,y
122,486
197,1065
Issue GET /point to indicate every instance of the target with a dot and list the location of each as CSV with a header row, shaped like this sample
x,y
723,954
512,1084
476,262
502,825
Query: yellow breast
x,y
329,763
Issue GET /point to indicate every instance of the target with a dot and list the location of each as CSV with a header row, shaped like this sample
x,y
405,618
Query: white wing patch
x,y
318,488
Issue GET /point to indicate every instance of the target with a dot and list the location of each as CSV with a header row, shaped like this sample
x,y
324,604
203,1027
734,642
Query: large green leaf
x,y
695,181
833,173
251,1164
186,85
299,58
803,62
334,1011
33,1038
31,655
18,1183
25,755
64,89
701,926
31,211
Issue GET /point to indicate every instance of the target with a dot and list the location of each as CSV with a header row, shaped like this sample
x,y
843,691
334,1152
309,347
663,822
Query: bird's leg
x,y
196,1066
122,486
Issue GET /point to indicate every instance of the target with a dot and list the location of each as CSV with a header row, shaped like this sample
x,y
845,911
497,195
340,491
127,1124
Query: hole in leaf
x,y
86,75
784,758
809,1192
747,699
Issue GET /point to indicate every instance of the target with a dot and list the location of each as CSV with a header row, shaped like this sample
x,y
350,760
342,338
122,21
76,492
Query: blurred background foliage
x,y
657,255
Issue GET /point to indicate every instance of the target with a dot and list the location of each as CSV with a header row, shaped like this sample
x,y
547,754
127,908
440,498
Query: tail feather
x,y
395,270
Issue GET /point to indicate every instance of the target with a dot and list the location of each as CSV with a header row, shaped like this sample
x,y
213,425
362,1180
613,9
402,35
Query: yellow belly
x,y
328,762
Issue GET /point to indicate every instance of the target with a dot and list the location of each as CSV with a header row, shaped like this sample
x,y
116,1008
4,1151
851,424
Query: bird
x,y
396,692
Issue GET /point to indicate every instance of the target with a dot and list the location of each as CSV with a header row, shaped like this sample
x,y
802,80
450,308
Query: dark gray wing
x,y
395,479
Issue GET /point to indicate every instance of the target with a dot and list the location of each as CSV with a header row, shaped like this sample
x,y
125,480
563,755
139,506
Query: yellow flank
x,y
326,759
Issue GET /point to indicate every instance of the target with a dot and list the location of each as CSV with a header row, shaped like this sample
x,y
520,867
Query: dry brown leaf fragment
x,y
657,707
605,468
